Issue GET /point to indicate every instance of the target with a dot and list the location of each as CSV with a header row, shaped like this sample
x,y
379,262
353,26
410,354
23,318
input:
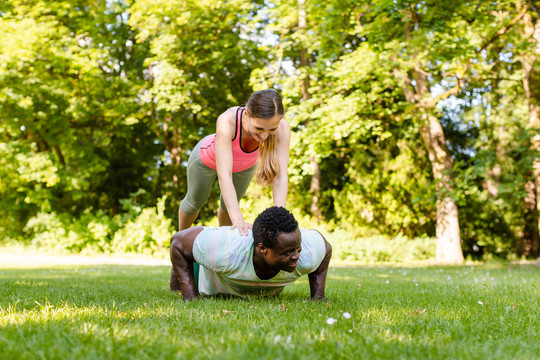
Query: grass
x,y
127,312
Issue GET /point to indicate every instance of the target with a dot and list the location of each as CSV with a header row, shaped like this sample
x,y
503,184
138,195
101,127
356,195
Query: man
x,y
273,255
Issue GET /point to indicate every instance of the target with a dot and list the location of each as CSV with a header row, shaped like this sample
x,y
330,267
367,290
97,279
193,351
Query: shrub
x,y
45,231
148,233
379,249
144,231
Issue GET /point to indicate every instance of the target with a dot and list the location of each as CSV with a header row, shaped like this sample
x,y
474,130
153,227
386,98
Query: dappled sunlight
x,y
86,309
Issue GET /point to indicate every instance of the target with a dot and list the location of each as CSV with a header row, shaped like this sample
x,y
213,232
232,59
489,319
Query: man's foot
x,y
174,284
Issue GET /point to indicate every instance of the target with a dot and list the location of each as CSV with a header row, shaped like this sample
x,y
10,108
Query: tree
x,y
531,80
345,122
69,84
501,219
202,54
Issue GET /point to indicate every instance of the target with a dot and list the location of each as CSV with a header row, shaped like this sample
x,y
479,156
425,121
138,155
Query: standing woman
x,y
249,139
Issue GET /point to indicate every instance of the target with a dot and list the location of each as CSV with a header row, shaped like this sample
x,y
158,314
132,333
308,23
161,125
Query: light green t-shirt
x,y
226,260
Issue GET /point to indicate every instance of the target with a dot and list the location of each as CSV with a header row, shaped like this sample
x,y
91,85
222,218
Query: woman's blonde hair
x,y
268,168
266,104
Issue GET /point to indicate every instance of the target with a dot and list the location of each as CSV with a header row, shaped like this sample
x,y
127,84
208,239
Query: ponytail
x,y
268,169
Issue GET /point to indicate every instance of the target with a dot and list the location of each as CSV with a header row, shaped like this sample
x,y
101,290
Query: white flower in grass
x,y
277,338
346,315
388,281
331,321
481,303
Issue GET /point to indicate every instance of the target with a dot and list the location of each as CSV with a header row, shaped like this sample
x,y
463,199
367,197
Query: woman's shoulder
x,y
284,125
230,112
226,122
284,131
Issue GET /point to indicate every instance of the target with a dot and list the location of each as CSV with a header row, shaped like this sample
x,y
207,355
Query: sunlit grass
x,y
121,312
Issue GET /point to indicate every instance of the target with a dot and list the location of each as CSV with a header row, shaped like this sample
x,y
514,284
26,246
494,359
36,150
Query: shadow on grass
x,y
121,311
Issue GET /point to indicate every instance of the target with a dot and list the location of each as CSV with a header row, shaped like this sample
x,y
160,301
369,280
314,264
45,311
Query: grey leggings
x,y
200,179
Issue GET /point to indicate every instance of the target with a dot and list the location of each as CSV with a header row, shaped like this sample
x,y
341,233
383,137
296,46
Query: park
x,y
269,179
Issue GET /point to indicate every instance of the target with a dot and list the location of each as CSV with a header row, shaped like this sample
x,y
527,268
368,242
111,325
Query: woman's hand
x,y
242,226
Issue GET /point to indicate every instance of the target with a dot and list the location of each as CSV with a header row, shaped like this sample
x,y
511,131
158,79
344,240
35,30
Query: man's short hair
x,y
270,223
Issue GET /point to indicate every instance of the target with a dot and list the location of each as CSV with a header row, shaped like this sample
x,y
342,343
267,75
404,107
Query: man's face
x,y
284,256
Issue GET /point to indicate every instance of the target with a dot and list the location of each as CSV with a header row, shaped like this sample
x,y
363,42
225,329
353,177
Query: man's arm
x,y
182,260
317,279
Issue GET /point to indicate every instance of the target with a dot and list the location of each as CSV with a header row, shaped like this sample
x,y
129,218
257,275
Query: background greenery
x,y
101,102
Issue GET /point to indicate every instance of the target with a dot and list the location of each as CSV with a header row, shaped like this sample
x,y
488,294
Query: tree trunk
x,y
171,140
447,226
172,134
531,84
493,175
315,186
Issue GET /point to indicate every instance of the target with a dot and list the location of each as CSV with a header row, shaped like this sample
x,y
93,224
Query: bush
x,y
379,249
46,231
143,231
148,233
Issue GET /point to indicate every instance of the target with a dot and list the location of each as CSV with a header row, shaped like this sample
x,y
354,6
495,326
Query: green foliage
x,y
102,101
379,249
148,233
136,230
69,85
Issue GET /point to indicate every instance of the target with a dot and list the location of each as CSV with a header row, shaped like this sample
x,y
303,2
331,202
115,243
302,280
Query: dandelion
x,y
331,321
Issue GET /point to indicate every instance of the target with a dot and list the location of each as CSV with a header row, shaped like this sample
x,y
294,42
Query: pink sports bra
x,y
242,160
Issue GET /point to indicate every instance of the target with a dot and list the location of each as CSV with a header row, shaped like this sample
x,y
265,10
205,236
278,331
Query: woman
x,y
244,137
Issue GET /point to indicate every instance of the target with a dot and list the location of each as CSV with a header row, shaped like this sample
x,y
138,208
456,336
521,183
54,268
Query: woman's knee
x,y
191,207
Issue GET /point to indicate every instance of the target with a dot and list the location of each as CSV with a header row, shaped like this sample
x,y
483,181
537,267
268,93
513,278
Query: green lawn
x,y
127,312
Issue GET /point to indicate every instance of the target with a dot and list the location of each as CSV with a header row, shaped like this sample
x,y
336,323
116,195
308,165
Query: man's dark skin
x,y
267,262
